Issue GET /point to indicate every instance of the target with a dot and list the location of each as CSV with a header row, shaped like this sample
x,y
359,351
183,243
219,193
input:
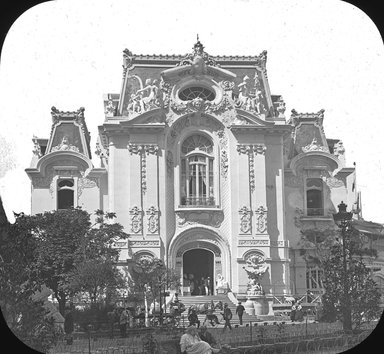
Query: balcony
x,y
205,202
315,212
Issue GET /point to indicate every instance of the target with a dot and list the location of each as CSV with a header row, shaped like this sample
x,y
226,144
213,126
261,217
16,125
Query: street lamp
x,y
160,296
342,219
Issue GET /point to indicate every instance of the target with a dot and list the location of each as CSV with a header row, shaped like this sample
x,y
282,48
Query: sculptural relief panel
x,y
136,220
153,220
207,217
245,220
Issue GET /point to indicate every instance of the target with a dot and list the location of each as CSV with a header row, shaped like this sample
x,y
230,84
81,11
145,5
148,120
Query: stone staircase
x,y
188,301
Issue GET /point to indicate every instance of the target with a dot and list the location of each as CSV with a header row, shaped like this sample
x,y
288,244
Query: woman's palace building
x,y
202,168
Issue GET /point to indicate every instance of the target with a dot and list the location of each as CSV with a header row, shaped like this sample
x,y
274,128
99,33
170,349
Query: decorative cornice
x,y
297,118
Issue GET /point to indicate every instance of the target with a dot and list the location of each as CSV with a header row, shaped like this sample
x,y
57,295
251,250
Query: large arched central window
x,y
197,181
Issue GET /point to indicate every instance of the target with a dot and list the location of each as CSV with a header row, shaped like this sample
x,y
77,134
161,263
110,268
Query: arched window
x,y
314,194
65,194
197,183
193,92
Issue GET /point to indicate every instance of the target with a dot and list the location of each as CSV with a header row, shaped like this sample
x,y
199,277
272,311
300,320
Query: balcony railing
x,y
315,211
198,202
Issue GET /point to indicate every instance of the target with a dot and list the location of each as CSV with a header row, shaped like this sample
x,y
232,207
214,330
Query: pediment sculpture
x,y
250,96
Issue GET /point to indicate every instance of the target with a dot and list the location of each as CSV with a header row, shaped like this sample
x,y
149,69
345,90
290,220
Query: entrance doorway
x,y
198,271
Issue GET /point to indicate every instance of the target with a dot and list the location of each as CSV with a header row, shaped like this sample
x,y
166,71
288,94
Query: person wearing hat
x,y
227,315
239,311
191,343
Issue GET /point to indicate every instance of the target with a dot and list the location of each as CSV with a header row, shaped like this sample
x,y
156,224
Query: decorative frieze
x,y
248,243
261,219
245,220
136,220
153,220
144,243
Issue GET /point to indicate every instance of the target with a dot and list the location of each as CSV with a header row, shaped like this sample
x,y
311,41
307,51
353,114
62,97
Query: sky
x,y
322,54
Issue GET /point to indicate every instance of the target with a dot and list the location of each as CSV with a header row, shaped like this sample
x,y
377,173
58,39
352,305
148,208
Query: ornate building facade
x,y
202,168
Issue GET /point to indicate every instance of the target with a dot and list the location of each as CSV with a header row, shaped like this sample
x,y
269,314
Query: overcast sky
x,y
321,54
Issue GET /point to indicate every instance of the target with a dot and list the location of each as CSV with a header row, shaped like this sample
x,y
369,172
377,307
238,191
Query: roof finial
x,y
197,37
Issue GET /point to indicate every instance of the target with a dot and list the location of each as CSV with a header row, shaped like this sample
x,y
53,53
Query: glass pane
x,y
65,199
313,279
193,92
65,183
211,178
196,142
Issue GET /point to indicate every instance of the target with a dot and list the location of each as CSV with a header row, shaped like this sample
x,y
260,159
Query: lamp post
x,y
342,219
160,296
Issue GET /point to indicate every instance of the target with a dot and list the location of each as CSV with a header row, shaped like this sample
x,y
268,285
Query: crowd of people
x,y
202,286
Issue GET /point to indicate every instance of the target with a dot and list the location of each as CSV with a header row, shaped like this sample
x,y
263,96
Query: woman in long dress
x,y
191,343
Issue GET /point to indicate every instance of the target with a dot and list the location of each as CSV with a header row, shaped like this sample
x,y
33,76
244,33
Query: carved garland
x,y
223,142
251,150
143,150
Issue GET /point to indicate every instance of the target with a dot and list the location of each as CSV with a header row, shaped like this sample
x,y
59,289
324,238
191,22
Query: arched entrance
x,y
198,269
200,238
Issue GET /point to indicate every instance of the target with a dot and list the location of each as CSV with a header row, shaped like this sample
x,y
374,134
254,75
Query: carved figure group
x,y
146,98
250,96
254,288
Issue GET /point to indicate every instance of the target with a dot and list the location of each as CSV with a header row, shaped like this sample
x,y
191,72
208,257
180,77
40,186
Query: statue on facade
x,y
134,104
254,288
244,100
255,268
146,98
222,286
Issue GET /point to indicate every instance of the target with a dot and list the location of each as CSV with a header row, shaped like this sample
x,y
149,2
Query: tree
x,y
361,302
149,278
95,277
26,318
63,239
151,273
